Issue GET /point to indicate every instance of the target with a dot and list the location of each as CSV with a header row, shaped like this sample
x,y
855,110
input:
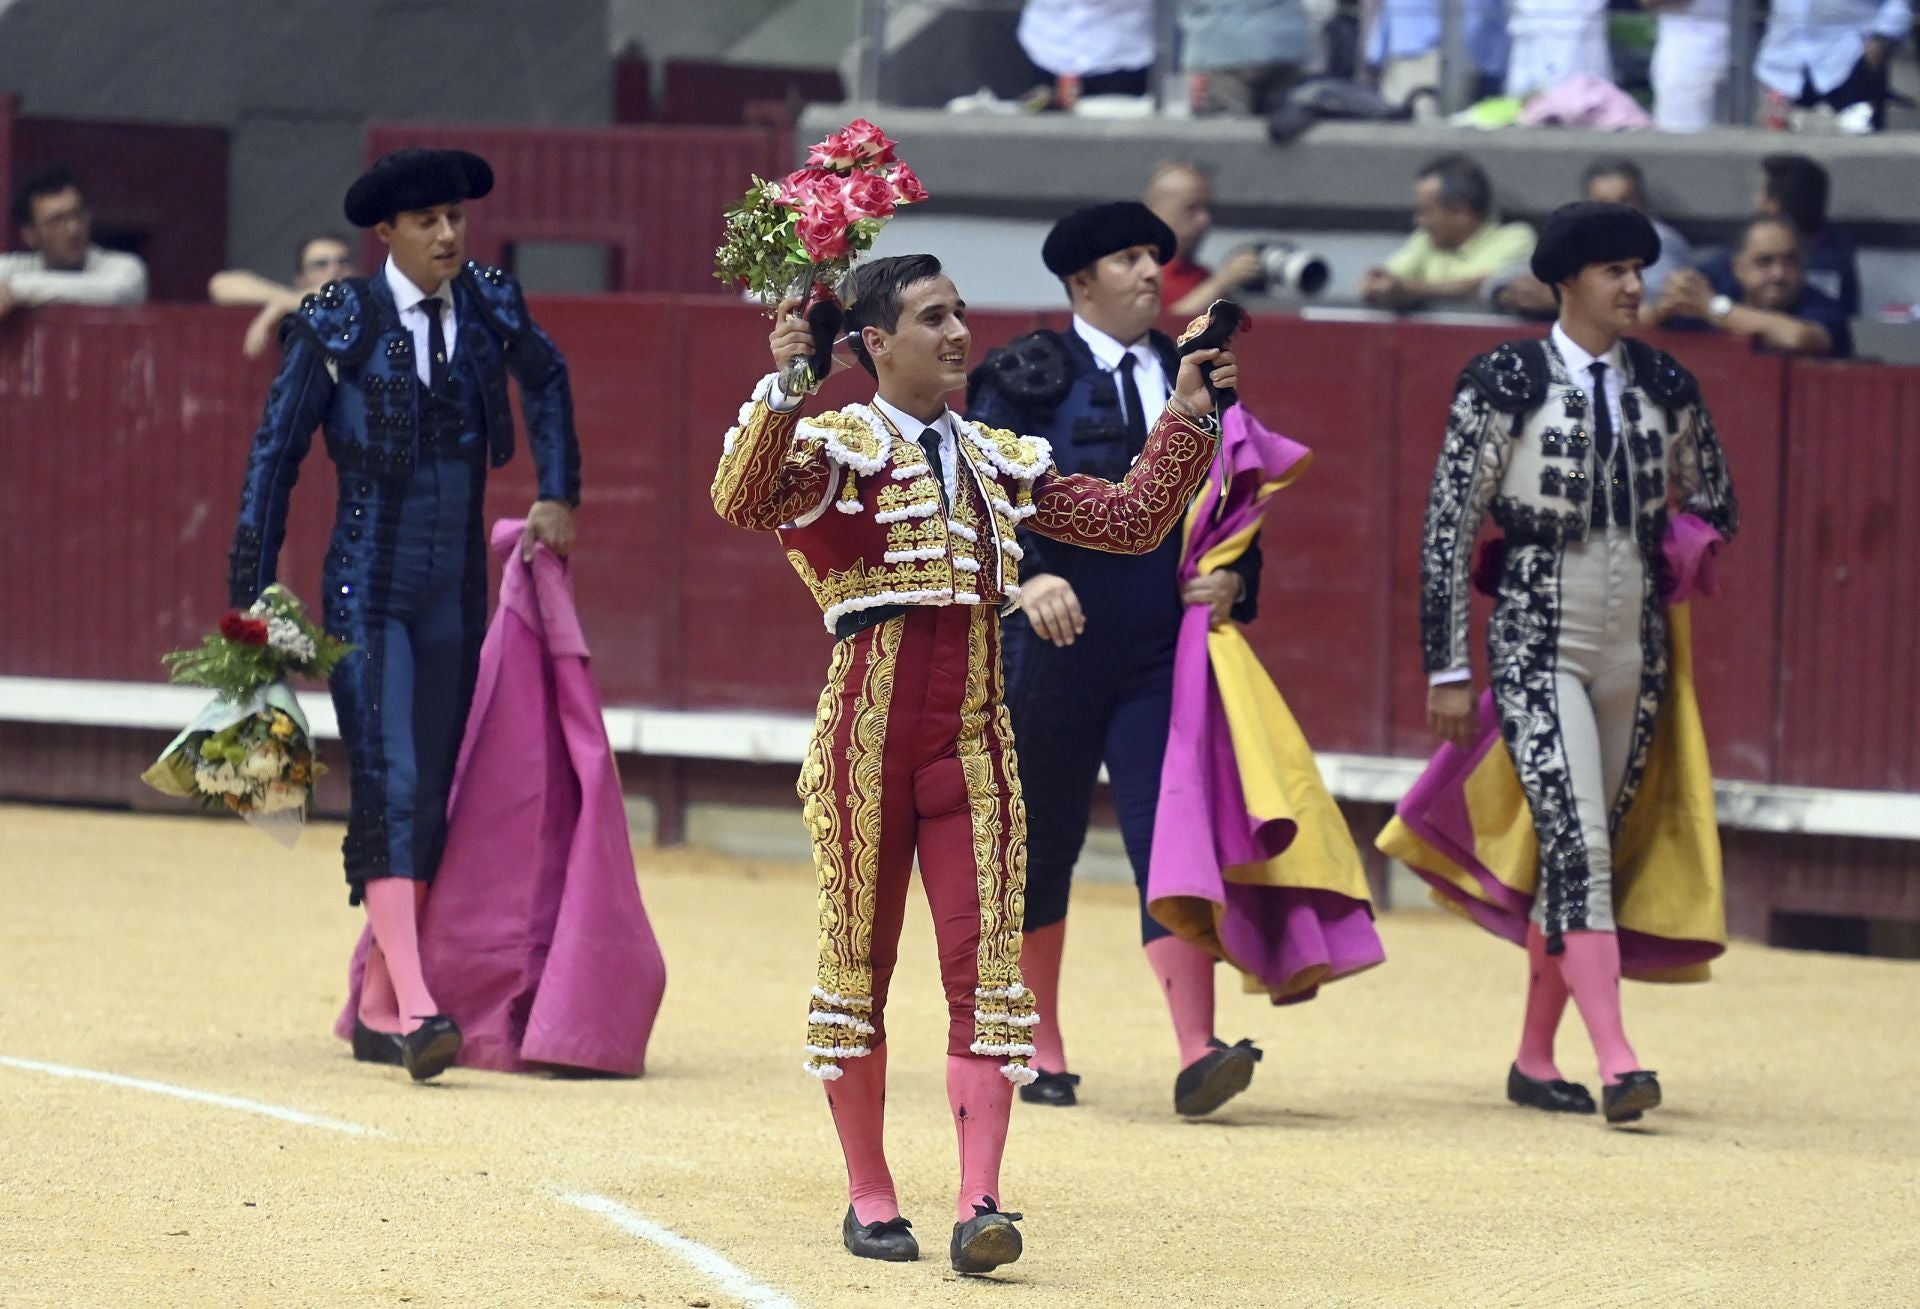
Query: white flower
x,y
218,779
284,635
263,764
281,797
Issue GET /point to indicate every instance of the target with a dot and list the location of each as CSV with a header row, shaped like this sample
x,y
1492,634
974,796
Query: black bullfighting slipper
x,y
1631,1096
371,1047
986,1240
1055,1089
1215,1077
889,1240
1554,1097
428,1050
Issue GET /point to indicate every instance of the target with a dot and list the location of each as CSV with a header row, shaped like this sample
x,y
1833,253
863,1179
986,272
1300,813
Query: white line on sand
x,y
715,1265
188,1093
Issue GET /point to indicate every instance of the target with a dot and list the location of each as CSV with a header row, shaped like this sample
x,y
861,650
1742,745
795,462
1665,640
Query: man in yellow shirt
x,y
1458,243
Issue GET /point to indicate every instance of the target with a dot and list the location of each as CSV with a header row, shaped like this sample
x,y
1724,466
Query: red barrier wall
x,y
123,436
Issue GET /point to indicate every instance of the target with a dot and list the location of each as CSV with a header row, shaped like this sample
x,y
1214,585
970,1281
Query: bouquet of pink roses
x,y
798,237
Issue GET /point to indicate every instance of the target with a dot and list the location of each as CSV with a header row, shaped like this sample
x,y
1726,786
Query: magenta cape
x,y
534,938
1252,859
1466,828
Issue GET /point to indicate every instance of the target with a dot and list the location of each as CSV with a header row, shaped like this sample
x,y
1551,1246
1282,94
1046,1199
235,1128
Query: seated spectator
x,y
1795,187
1090,47
1518,292
1691,52
1458,246
61,264
317,260
1245,54
1403,46
1764,295
1832,52
1554,40
1181,196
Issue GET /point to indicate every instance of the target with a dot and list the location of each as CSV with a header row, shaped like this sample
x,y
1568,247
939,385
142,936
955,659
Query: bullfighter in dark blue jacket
x,y
1089,657
406,373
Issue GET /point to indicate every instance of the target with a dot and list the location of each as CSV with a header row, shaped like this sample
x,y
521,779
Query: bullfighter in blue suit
x,y
406,373
1089,657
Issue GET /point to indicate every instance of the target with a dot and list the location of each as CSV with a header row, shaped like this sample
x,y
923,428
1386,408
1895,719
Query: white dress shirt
x,y
1088,37
106,277
1824,40
409,298
911,428
1148,374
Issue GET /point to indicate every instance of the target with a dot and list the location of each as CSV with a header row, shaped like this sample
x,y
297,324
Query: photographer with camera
x,y
1180,194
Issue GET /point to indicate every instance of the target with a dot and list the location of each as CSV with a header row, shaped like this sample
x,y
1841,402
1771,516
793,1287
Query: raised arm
x,y
296,404
765,479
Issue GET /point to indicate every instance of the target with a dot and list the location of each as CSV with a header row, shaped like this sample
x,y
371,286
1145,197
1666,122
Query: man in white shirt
x,y
1091,47
61,264
1832,52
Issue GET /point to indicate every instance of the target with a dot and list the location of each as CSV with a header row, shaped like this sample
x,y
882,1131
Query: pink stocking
x,y
1591,966
982,1100
1546,1002
1186,979
1040,952
379,1006
858,1099
392,906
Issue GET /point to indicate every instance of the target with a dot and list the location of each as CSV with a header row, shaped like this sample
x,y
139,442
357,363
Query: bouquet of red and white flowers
x,y
249,752
798,237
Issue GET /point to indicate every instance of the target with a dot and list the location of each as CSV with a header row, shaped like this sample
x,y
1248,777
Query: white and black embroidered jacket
x,y
1520,446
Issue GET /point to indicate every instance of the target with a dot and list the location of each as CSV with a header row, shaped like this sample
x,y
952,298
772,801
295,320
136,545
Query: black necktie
x,y
930,442
436,343
1130,397
1609,480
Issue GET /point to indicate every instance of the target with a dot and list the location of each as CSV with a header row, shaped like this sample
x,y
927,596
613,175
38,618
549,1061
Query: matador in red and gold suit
x,y
903,528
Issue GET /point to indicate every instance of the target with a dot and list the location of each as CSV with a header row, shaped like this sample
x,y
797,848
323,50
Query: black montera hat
x,y
1094,233
1587,233
416,179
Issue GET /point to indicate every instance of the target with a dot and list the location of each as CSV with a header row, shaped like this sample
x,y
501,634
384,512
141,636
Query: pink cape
x,y
534,938
1255,887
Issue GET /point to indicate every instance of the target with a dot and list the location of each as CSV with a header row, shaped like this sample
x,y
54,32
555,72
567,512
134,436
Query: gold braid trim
x,y
847,860
1003,1007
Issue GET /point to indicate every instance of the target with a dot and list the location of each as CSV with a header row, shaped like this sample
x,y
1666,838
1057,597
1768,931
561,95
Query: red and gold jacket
x,y
858,509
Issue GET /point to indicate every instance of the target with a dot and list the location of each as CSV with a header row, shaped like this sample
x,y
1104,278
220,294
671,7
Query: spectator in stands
x,y
1554,40
1090,47
1181,196
1690,57
61,264
1763,295
1832,52
1458,246
1797,187
318,259
1616,181
1244,54
1403,45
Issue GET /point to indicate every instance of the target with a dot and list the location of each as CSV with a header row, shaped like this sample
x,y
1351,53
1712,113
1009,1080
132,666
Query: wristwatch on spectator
x,y
1719,307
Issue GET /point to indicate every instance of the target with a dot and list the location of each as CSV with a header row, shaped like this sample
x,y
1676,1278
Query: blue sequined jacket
x,y
349,368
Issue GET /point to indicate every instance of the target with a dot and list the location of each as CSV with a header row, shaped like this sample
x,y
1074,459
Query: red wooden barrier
x,y
123,435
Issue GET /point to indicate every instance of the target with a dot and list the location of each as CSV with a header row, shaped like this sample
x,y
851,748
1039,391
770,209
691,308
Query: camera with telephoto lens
x,y
1286,267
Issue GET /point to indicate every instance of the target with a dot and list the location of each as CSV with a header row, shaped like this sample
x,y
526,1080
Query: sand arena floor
x,y
1372,1163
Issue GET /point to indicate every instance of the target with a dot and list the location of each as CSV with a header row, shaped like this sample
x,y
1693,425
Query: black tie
x,y
436,343
1130,397
1609,480
930,442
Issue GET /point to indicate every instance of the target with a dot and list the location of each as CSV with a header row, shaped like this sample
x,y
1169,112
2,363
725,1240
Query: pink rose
x,y
822,229
867,195
907,188
798,188
869,144
836,153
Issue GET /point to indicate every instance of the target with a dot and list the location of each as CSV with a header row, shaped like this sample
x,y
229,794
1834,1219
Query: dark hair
x,y
1462,182
873,295
46,182
1615,167
300,250
1799,186
1757,221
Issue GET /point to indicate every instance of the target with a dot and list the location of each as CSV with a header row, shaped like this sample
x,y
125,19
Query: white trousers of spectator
x,y
1400,78
1690,59
1596,686
1554,40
